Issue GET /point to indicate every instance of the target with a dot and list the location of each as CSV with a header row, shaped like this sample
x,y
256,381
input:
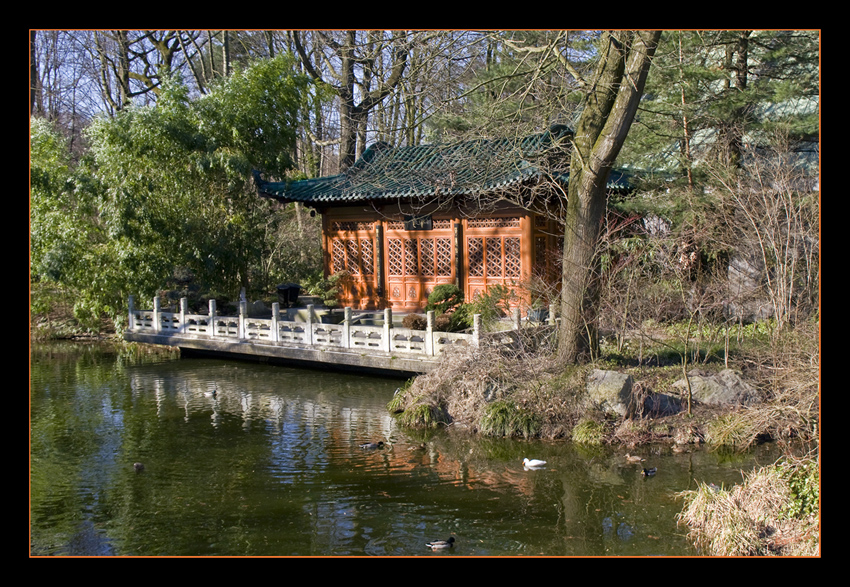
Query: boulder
x,y
611,391
723,388
661,404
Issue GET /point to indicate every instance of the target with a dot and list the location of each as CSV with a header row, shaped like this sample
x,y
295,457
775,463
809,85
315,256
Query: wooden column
x,y
459,252
380,270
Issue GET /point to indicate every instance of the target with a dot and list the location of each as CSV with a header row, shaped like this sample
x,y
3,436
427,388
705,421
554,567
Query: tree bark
x,y
609,109
34,85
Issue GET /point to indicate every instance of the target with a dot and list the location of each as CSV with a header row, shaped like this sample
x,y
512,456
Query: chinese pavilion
x,y
403,220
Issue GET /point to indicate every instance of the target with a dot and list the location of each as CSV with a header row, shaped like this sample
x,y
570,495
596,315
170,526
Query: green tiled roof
x,y
467,168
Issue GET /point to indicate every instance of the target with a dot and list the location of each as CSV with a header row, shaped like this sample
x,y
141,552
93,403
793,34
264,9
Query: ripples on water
x,y
256,460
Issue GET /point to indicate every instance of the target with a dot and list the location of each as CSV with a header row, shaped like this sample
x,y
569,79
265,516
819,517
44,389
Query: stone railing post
x,y
131,314
517,318
308,329
429,333
184,309
243,313
346,329
275,320
476,330
212,318
388,330
157,308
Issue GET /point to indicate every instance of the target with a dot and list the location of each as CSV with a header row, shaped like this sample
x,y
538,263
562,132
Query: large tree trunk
x,y
609,110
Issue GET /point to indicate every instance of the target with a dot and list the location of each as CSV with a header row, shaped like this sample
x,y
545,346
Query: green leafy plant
x,y
804,482
328,289
452,315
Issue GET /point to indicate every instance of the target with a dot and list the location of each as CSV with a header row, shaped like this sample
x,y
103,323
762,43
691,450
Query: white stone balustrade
x,y
312,333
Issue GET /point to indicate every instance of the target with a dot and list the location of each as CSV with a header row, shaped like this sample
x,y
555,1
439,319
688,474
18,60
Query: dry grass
x,y
787,371
496,391
770,513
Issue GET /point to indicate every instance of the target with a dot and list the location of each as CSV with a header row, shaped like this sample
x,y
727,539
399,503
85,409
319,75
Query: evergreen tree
x,y
168,191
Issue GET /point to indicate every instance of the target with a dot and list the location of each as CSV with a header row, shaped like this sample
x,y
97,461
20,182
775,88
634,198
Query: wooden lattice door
x,y
352,249
494,254
418,261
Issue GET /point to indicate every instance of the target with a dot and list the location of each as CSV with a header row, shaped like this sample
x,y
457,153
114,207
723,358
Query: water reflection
x,y
248,459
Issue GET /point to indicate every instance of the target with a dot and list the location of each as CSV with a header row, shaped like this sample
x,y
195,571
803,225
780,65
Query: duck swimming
x,y
634,459
441,544
649,472
370,445
138,467
532,463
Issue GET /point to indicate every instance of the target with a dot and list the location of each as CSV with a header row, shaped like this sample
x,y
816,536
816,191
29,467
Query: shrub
x,y
458,320
415,322
443,322
444,299
328,289
491,305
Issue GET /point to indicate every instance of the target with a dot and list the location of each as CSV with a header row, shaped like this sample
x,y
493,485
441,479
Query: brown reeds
x,y
773,512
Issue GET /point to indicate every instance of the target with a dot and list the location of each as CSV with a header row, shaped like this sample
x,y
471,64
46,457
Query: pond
x,y
247,459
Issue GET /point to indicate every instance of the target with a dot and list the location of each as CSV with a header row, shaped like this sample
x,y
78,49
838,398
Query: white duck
x,y
532,463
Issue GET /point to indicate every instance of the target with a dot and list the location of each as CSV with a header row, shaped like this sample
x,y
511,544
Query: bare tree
x,y
776,217
348,61
135,63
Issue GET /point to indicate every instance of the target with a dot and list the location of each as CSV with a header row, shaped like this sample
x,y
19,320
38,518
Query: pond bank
x,y
517,393
489,392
